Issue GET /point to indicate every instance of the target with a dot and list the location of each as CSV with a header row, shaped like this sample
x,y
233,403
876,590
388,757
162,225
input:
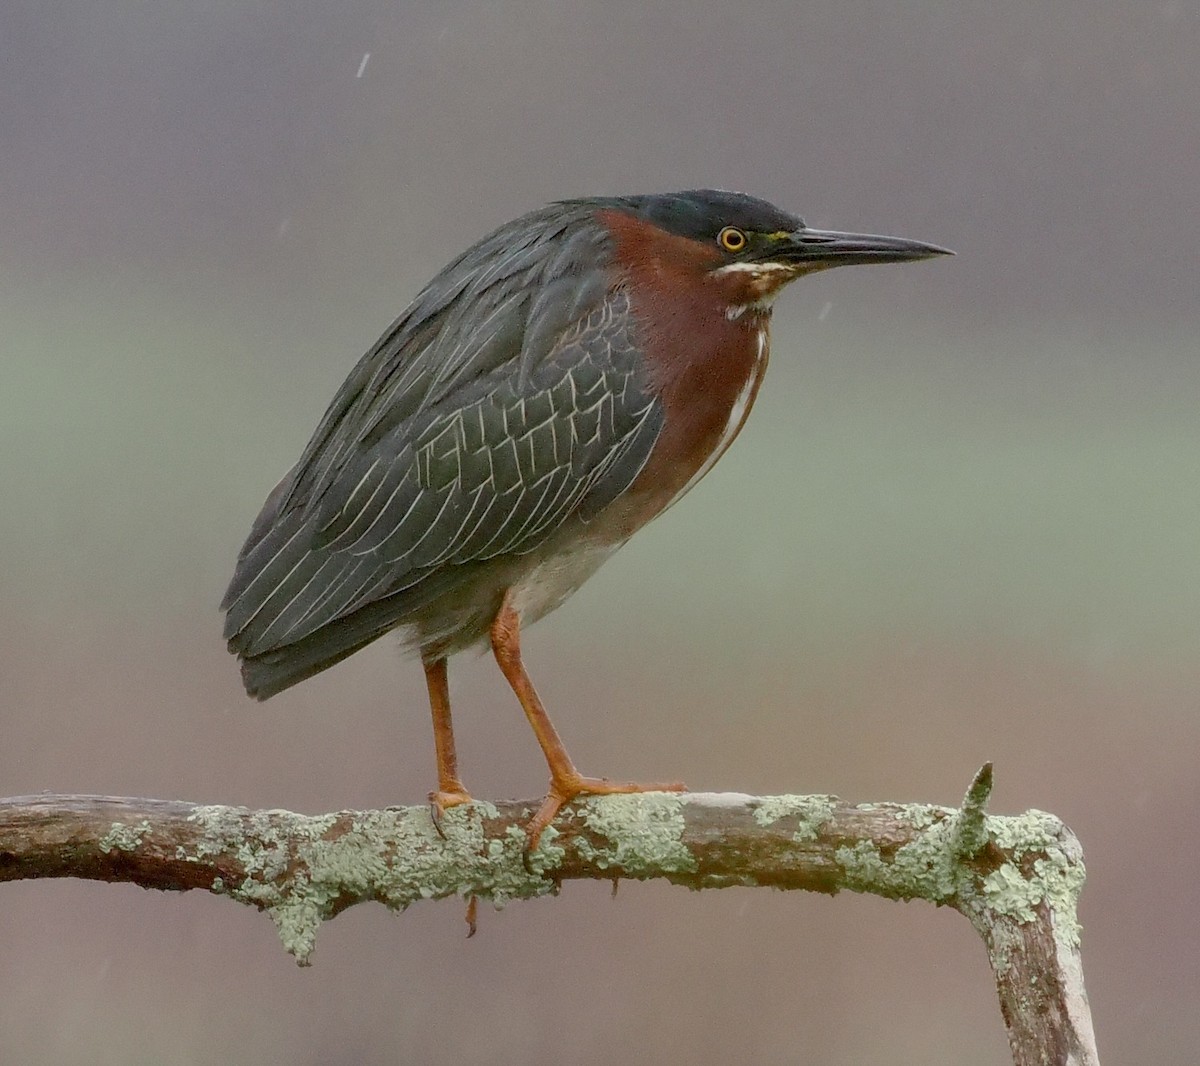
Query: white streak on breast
x,y
737,415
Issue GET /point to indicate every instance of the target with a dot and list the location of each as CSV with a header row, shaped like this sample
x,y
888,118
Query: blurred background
x,y
961,525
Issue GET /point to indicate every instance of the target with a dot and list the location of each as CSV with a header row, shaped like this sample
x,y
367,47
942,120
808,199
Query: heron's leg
x,y
450,790
565,781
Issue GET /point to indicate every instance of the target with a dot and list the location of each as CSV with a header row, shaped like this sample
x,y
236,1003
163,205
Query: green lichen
x,y
122,837
921,869
1056,878
642,834
1007,892
929,868
1033,830
971,820
303,870
923,815
811,813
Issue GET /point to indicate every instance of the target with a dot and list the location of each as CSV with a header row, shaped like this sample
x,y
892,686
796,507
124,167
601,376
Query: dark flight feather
x,y
497,407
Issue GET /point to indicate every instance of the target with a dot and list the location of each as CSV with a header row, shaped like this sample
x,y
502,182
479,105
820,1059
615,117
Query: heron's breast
x,y
705,404
703,363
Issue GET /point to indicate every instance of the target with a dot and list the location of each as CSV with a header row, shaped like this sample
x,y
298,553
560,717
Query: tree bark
x,y
1017,879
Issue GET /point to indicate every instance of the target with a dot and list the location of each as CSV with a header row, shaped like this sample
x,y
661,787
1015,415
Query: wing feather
x,y
477,443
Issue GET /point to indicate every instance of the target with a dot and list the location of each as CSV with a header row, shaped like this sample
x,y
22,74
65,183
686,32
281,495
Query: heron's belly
x,y
534,584
550,580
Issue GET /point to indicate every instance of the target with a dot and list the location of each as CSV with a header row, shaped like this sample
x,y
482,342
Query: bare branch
x,y
1016,878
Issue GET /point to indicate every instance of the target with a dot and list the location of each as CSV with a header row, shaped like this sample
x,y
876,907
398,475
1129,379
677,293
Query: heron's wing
x,y
506,298
478,314
490,466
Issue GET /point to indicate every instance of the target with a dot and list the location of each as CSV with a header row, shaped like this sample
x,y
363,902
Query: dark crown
x,y
702,213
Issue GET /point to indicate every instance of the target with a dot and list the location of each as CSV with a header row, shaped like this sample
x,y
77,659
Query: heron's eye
x,y
731,239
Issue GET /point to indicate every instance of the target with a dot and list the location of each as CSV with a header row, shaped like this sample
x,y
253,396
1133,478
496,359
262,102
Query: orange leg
x,y
565,781
450,791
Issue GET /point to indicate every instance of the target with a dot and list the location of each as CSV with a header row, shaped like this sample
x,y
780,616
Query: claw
x,y
443,798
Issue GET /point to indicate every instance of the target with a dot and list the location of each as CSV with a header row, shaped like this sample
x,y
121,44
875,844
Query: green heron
x,y
552,390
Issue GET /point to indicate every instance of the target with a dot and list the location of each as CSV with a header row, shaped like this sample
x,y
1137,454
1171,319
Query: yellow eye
x,y
731,239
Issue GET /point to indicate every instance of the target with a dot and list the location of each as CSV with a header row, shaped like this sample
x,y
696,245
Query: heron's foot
x,y
451,794
564,790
